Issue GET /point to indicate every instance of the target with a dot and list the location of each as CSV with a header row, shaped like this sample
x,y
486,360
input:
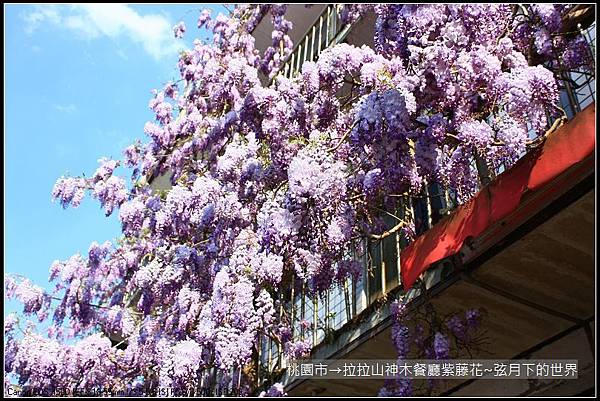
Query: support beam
x,y
508,295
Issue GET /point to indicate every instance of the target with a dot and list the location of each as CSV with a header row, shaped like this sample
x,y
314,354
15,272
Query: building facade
x,y
533,272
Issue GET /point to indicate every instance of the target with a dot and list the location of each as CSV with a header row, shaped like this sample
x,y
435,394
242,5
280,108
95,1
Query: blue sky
x,y
77,86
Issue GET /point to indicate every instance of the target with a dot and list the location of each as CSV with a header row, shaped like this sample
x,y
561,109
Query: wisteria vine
x,y
272,180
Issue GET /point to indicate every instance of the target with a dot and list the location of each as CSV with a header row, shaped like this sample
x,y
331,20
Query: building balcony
x,y
532,272
533,275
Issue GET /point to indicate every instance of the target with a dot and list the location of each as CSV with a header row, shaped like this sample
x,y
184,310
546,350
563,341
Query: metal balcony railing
x,y
380,259
580,87
327,30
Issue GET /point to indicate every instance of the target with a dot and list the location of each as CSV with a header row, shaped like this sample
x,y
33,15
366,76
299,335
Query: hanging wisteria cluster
x,y
424,334
272,181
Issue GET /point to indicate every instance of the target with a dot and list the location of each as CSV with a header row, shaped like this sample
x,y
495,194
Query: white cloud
x,y
39,15
91,21
69,108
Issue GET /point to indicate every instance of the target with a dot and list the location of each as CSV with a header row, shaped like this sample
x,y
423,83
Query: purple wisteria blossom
x,y
250,186
179,29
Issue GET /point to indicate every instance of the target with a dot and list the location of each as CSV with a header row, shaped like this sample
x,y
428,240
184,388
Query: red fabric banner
x,y
568,145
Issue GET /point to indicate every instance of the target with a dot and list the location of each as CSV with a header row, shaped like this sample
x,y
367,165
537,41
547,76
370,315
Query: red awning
x,y
568,145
